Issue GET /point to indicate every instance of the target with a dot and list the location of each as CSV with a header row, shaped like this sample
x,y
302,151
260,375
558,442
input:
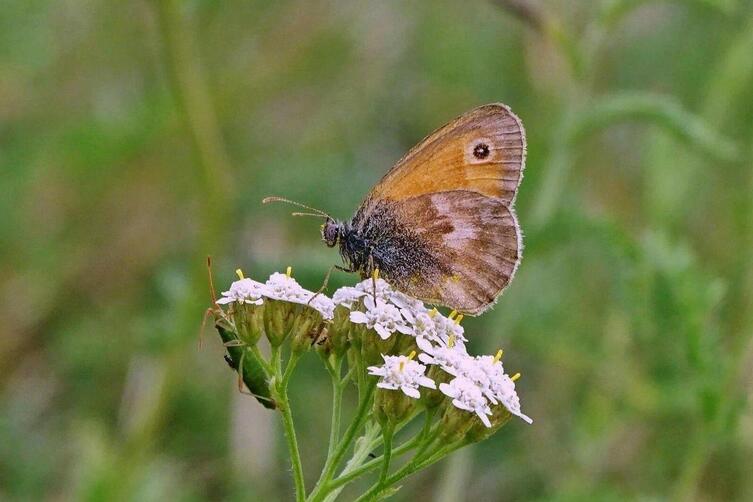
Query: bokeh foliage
x,y
138,137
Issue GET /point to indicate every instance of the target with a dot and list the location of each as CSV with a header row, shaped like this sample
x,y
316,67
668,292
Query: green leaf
x,y
663,111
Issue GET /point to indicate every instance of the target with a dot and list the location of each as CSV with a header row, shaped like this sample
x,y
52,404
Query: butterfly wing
x,y
456,248
483,150
440,224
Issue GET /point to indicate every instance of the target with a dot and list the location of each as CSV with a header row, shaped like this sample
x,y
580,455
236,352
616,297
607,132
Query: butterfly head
x,y
331,232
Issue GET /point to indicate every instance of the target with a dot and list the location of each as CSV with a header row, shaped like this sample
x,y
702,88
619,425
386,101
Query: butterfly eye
x,y
481,151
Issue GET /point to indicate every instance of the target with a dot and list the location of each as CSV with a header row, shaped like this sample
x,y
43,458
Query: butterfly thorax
x,y
377,238
355,250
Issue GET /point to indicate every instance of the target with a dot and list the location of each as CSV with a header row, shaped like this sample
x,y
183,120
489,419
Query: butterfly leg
x,y
324,285
348,270
374,276
207,313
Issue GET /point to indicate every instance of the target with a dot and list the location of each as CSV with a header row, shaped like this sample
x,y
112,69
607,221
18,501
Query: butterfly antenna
x,y
316,215
212,291
317,212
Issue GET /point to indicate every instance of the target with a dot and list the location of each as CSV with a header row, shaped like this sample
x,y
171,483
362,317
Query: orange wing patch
x,y
482,151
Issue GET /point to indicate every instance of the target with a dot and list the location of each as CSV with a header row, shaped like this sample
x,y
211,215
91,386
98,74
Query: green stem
x,y
360,374
292,362
358,421
282,381
364,446
349,475
354,469
177,53
334,433
262,361
344,445
292,442
337,398
387,456
414,465
348,376
428,436
189,86
275,361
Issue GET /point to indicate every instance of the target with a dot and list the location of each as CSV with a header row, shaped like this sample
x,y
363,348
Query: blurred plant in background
x,y
136,138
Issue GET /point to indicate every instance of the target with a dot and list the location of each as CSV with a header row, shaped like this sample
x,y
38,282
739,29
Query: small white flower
x,y
423,325
467,396
450,359
281,287
243,291
347,296
401,372
449,331
504,391
484,370
407,304
323,305
383,290
382,317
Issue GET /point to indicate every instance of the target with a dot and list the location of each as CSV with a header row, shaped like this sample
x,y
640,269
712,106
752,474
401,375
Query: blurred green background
x,y
136,138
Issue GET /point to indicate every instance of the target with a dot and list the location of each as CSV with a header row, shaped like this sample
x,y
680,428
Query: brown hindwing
x,y
457,248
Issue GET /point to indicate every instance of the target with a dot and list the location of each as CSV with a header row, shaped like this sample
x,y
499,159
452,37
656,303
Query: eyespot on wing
x,y
483,150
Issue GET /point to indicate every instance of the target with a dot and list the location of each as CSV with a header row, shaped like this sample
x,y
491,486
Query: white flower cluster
x,y
475,383
478,382
280,287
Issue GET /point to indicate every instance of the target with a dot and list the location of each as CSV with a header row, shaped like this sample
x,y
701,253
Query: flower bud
x,y
249,322
478,431
277,321
393,406
339,331
434,397
373,346
307,327
468,403
246,307
405,344
455,424
286,301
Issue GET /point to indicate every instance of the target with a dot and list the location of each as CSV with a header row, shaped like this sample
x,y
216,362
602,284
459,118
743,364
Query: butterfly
x,y
440,225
